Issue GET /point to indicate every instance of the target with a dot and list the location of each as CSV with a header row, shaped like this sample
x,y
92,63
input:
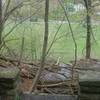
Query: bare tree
x,y
4,15
44,47
89,28
1,22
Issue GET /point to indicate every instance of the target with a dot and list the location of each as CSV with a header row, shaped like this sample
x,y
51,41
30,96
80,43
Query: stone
x,y
89,96
9,73
9,82
48,97
89,79
92,89
58,74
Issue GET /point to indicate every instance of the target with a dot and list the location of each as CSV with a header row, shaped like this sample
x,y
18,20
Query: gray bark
x,y
89,28
1,22
44,46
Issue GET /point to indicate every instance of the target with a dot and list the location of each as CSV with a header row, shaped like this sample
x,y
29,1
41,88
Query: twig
x,y
16,61
57,84
54,38
47,90
17,25
75,44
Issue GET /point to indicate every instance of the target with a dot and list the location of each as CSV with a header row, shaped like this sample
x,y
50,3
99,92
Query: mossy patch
x,y
9,72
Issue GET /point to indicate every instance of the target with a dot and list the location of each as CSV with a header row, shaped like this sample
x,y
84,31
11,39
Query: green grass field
x,y
63,46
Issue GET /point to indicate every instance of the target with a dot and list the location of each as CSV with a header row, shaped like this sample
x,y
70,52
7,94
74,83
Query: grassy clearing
x,y
63,47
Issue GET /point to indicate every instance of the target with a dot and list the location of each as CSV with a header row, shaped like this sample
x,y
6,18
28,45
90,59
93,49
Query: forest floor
x,y
87,66
54,79
82,66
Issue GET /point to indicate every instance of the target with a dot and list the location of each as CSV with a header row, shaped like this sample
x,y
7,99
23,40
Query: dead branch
x,y
47,90
7,7
16,61
7,14
7,34
57,84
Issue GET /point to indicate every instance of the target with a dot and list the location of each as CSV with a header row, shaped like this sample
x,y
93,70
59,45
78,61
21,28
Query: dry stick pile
x,y
55,79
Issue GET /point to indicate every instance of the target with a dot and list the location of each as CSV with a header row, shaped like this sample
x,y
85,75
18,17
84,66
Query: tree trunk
x,y
1,22
44,46
89,28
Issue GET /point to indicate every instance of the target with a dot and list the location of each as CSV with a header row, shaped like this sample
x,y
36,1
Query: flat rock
x,y
90,97
8,72
9,78
89,76
48,97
